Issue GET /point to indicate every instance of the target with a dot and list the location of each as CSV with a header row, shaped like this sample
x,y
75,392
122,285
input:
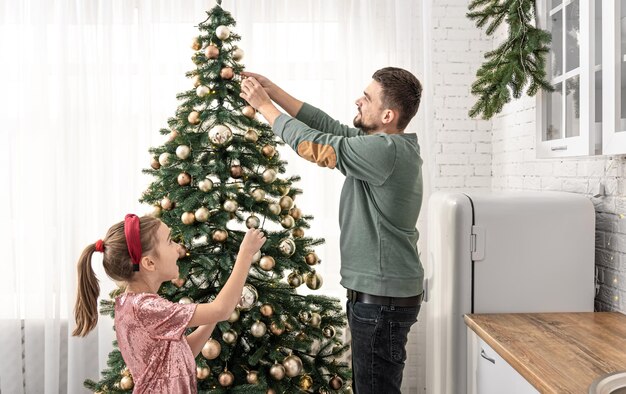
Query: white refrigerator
x,y
501,253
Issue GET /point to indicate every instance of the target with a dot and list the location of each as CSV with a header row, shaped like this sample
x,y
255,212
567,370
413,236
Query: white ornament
x,y
202,91
200,240
185,300
238,54
220,134
205,185
164,159
183,152
222,32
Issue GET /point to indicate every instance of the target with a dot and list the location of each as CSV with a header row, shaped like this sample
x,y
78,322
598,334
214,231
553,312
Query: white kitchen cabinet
x,y
488,373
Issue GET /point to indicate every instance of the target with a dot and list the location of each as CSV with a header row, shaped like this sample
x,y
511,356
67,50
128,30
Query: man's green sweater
x,y
380,199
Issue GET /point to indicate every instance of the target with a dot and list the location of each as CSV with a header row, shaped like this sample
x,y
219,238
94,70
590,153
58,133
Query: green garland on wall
x,y
519,60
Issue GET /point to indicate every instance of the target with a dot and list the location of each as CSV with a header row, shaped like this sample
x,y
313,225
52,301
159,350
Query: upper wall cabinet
x,y
570,118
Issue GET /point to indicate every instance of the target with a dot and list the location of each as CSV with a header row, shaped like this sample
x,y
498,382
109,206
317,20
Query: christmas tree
x,y
218,173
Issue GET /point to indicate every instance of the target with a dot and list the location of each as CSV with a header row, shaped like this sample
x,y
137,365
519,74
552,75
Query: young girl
x,y
149,328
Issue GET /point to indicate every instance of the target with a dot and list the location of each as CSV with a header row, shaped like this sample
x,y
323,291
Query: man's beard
x,y
358,122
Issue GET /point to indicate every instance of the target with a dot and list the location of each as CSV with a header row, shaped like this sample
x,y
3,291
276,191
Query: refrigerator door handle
x,y
484,355
477,243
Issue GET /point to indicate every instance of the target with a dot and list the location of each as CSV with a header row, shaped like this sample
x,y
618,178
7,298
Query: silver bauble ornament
x,y
316,319
293,366
252,377
269,175
193,117
226,379
220,135
286,202
253,222
267,263
230,205
183,152
258,329
249,297
185,300
237,54
277,371
211,349
294,279
258,195
287,221
229,337
222,32
188,218
202,91
205,185
328,331
164,159
313,280
251,136
234,316
287,247
202,214
274,208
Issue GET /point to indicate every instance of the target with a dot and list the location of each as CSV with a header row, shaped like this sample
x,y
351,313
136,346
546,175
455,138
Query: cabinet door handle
x,y
484,355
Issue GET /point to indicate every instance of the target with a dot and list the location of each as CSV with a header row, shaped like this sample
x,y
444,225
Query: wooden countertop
x,y
556,352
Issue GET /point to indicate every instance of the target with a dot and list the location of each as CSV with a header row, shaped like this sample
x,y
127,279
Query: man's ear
x,y
389,116
147,264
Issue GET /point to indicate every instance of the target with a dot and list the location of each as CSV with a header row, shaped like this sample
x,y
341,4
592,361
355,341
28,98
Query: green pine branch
x,y
518,62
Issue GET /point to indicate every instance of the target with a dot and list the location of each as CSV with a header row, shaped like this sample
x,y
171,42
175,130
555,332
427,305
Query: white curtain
x,y
84,88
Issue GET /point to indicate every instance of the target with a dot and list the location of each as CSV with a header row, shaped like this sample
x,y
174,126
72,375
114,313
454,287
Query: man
x,y
380,203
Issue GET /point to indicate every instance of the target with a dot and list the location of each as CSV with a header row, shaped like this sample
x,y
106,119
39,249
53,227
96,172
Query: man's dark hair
x,y
401,91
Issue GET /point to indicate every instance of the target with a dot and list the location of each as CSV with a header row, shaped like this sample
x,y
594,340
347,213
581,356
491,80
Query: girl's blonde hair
x,y
117,265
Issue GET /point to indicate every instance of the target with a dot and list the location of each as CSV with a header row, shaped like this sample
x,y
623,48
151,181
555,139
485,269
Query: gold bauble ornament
x,y
234,316
252,377
251,136
195,44
297,232
167,204
287,221
178,282
267,310
294,279
226,378
188,218
172,136
328,331
154,163
286,202
219,235
248,111
236,171
182,252
212,52
165,159
258,195
185,300
276,329
306,382
268,151
267,263
293,366
237,54
304,316
287,247
202,373
315,320
295,213
125,372
229,337
184,179
211,349
313,280
301,336
126,383
274,208
253,222
311,258
258,329
202,91
202,214
335,383
277,371
249,297
230,205
227,73
205,185
220,134
270,391
283,189
183,152
269,175
197,81
222,32
193,117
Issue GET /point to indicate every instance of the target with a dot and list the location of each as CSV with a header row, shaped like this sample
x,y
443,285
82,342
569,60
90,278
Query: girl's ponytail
x,y
86,307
